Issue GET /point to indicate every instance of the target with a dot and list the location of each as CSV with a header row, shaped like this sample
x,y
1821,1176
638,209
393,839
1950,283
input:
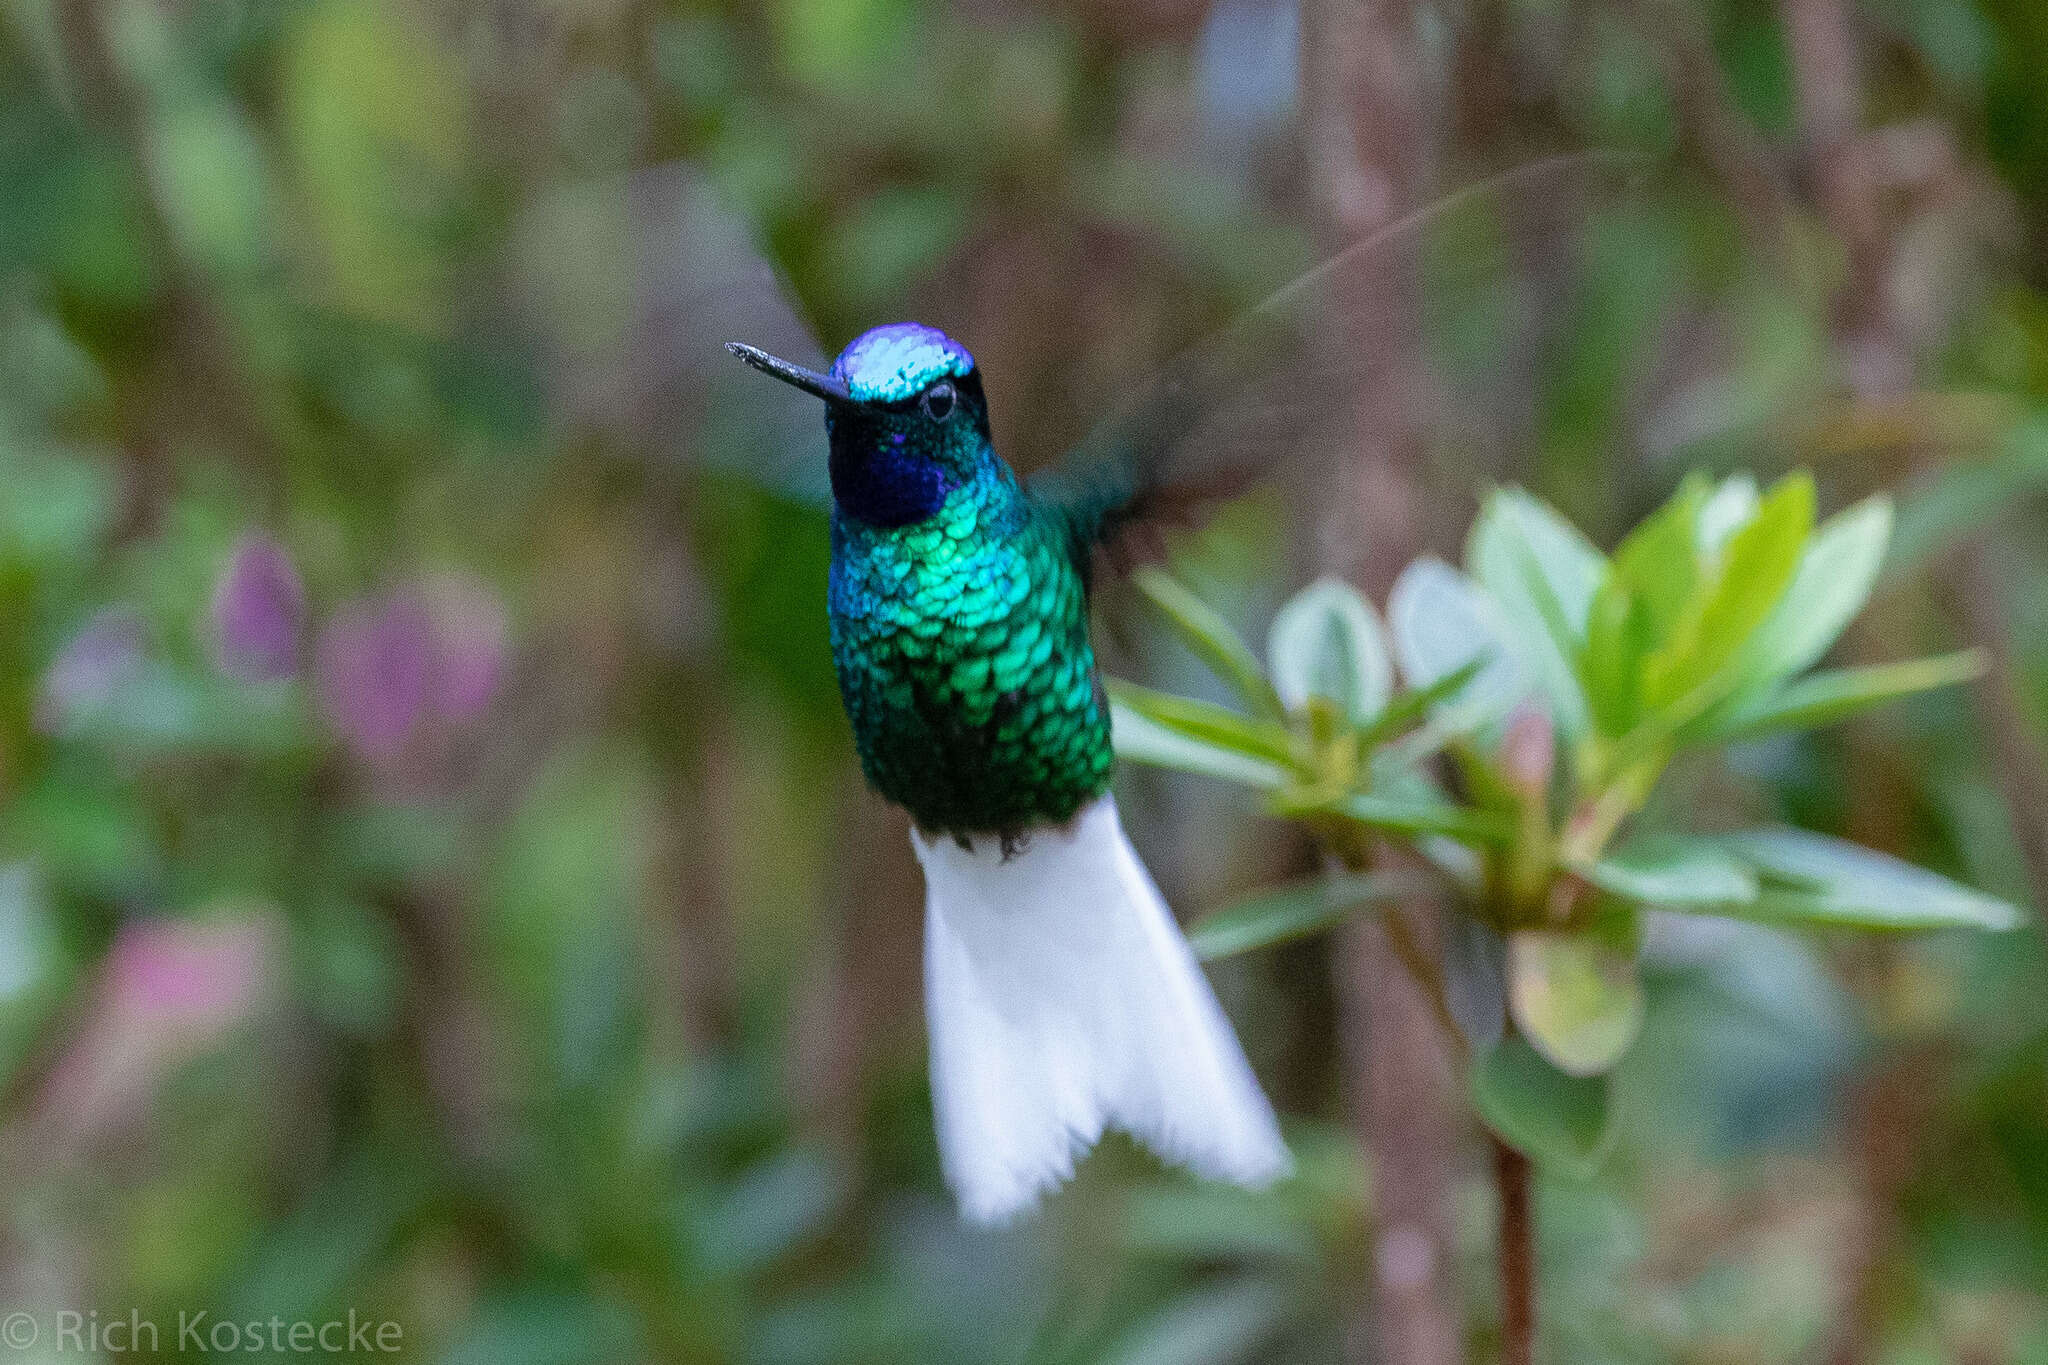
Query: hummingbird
x,y
1061,998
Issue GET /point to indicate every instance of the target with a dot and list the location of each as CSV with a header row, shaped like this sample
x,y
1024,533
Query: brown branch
x,y
1369,147
1517,1257
1403,1102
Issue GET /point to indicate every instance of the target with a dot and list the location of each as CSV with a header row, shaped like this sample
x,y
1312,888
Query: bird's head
x,y
906,417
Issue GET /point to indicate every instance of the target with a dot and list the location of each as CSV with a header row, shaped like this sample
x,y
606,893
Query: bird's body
x,y
959,611
961,643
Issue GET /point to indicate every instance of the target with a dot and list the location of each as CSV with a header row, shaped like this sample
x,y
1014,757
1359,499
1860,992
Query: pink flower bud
x,y
168,991
1528,750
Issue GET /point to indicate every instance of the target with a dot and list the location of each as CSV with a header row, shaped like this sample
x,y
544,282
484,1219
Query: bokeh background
x,y
434,880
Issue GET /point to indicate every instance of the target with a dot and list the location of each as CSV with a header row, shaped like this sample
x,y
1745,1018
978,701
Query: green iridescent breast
x,y
961,644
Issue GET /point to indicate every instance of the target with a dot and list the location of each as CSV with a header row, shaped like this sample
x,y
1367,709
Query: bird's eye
x,y
938,402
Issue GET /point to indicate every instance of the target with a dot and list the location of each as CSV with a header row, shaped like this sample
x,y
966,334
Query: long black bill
x,y
810,381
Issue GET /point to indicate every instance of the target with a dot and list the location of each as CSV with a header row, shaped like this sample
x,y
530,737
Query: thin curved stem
x,y
1430,981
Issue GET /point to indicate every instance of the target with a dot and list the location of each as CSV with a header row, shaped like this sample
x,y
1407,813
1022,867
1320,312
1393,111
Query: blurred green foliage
x,y
435,883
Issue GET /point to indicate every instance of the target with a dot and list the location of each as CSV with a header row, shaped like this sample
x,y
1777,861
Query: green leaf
x,y
1824,698
1410,705
1138,739
1659,560
1217,1324
1813,879
1408,815
59,506
1726,510
769,1210
366,1197
1475,978
1568,566
1833,580
1211,1223
1216,726
1212,639
1327,642
1618,635
1690,668
1284,913
539,1322
374,115
1676,872
206,165
1442,623
1561,1122
1576,997
164,708
35,967
1543,573
1971,494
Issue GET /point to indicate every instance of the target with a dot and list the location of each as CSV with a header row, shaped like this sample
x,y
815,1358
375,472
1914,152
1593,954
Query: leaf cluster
x,y
1510,721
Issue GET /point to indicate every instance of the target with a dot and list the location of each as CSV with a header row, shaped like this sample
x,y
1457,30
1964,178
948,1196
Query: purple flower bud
x,y
91,666
259,612
376,673
469,638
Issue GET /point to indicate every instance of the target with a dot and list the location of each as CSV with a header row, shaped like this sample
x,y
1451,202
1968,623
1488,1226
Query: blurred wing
x,y
633,285
1417,327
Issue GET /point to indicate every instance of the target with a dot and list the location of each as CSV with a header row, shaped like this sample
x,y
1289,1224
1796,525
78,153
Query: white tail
x,y
1062,1000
